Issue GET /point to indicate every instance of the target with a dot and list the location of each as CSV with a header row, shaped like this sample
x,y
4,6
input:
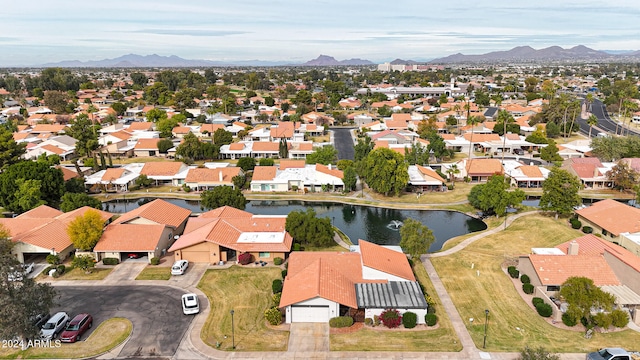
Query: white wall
x,y
369,313
334,307
373,274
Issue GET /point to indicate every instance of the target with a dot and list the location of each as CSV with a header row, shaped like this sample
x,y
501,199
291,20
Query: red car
x,y
77,326
134,256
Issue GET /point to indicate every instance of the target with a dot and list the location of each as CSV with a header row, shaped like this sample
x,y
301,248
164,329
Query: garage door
x,y
196,256
315,313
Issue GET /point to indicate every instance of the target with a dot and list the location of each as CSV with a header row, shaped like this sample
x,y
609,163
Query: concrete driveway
x,y
155,311
304,337
191,277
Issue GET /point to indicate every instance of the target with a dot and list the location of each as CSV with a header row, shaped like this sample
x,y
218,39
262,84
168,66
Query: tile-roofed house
x,y
424,178
525,176
140,126
49,129
117,179
223,233
165,172
480,170
207,130
318,284
264,149
286,164
294,175
146,147
43,231
158,211
591,172
605,218
204,179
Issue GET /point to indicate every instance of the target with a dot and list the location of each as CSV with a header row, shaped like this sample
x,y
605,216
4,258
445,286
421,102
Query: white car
x,y
190,304
22,271
54,326
179,267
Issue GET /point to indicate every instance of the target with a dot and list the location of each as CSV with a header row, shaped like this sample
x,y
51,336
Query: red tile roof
x,y
264,173
291,164
266,146
158,211
42,211
333,171
130,237
556,269
212,176
162,168
385,260
593,245
484,167
140,126
608,215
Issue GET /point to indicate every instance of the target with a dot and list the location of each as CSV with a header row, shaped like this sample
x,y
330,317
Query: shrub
x,y
576,224
376,320
296,246
391,318
536,300
110,261
278,261
513,272
587,229
431,319
619,318
276,286
527,288
276,299
245,258
544,309
284,273
273,316
409,320
341,321
431,309
368,321
186,188
602,320
60,269
53,259
569,320
48,269
525,279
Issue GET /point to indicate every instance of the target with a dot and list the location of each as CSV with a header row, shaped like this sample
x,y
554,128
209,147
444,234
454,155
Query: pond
x,y
378,225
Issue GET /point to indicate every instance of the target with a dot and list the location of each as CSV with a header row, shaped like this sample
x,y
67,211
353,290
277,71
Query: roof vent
x,y
573,248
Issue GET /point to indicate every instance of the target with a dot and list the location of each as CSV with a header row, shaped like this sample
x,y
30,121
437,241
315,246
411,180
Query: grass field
x,y
155,273
443,338
79,274
512,323
108,335
248,292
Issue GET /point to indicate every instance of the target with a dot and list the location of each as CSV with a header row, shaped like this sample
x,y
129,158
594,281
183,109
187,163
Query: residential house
x,y
224,233
146,147
63,146
479,170
296,175
615,221
112,179
200,179
148,231
525,176
424,178
363,283
591,172
43,231
165,172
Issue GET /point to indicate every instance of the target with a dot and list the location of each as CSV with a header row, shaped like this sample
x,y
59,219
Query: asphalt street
x,y
156,314
343,143
604,121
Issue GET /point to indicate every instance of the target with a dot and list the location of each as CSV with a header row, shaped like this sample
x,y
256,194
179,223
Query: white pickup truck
x,y
613,354
24,270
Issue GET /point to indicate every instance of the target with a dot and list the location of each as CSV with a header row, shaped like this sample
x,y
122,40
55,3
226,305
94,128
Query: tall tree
x,y
323,155
83,130
582,295
363,148
550,152
592,121
56,101
222,196
51,183
306,228
85,230
72,201
190,148
10,151
349,179
623,175
29,195
21,300
494,196
415,238
560,192
222,137
386,171
452,171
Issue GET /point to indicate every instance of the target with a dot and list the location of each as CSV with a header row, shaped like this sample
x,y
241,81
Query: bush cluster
x,y
431,319
61,269
575,223
53,259
619,318
569,320
602,320
110,261
368,321
525,279
283,273
409,320
376,320
587,229
245,258
276,286
155,261
296,246
544,309
275,299
273,316
391,318
513,272
536,300
278,261
527,288
341,321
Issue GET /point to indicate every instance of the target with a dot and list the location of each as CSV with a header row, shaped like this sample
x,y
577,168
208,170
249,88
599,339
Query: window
x,y
553,288
264,255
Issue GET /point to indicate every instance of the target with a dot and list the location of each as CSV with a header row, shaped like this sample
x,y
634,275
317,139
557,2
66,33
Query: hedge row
x,y
341,321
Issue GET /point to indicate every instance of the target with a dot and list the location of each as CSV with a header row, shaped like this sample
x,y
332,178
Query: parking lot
x,y
156,314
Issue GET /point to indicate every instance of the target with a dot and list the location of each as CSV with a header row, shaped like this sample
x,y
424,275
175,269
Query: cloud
x,y
191,32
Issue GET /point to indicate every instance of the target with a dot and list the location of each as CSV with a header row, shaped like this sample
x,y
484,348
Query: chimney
x,y
220,175
329,166
573,248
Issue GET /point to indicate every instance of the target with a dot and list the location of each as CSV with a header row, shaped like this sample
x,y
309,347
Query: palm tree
x,y
589,100
592,121
452,171
472,120
456,108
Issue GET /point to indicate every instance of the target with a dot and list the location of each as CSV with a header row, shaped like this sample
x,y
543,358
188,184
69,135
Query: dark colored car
x,y
78,326
40,319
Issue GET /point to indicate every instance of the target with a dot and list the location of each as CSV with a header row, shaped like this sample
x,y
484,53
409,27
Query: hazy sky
x,y
43,31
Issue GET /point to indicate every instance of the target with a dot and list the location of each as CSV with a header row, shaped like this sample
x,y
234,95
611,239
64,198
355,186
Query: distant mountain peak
x,y
326,60
527,53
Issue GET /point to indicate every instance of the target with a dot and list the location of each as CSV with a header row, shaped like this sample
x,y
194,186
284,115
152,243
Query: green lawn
x,y
512,323
247,291
79,274
442,338
152,272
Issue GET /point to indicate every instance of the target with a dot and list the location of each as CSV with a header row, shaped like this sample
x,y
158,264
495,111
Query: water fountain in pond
x,y
394,225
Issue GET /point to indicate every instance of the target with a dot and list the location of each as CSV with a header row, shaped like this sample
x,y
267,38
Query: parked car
x,y
78,326
190,304
17,274
134,256
179,267
40,319
54,326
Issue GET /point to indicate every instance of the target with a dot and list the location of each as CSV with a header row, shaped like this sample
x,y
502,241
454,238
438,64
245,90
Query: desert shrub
x,y
53,259
296,246
273,316
527,288
587,229
61,269
245,258
276,286
391,318
275,298
409,320
431,319
278,261
155,261
368,321
576,224
619,318
602,320
569,320
513,272
525,279
544,309
341,321
284,273
376,320
536,300
110,261
186,188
